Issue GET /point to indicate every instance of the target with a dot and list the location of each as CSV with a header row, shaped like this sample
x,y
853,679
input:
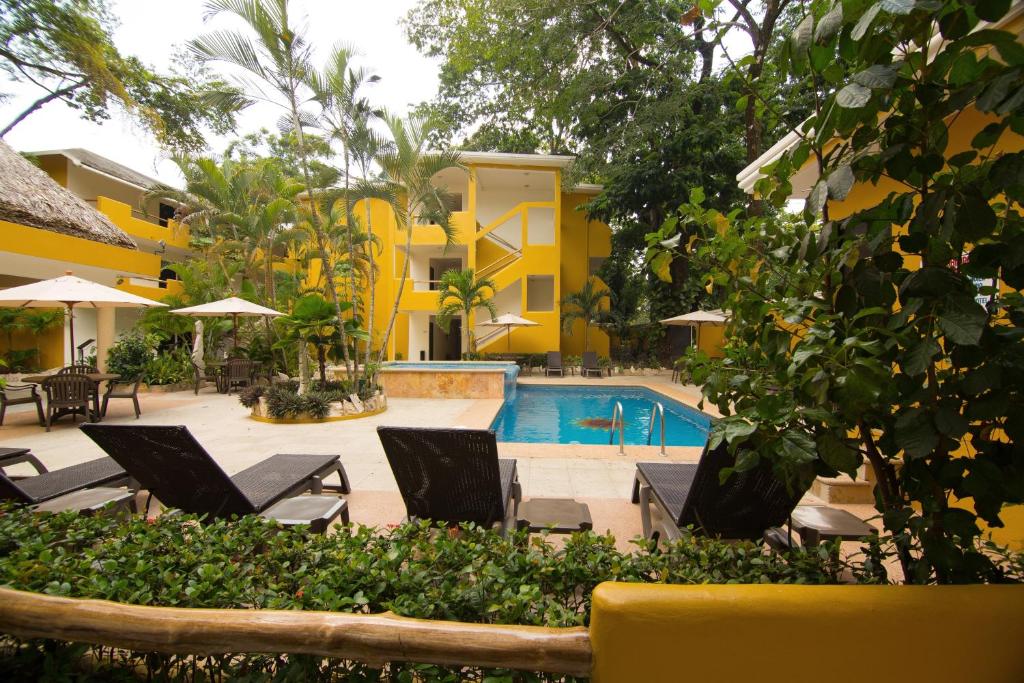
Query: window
x,y
540,293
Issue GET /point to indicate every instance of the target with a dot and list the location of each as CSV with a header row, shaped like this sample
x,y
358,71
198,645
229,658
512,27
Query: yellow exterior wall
x,y
791,634
581,240
121,215
712,340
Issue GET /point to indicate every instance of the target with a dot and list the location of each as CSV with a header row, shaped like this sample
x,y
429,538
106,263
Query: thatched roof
x,y
30,197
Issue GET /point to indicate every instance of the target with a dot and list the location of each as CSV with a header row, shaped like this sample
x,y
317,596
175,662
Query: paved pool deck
x,y
597,475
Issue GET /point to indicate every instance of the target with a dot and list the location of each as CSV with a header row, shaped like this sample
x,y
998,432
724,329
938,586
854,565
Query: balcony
x,y
461,221
138,224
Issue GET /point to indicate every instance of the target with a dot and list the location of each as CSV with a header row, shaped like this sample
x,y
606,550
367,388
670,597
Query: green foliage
x,y
282,403
130,355
169,367
34,321
66,49
412,570
862,336
250,396
586,305
460,292
313,321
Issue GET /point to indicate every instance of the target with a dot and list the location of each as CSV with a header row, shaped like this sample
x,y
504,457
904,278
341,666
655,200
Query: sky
x,y
152,29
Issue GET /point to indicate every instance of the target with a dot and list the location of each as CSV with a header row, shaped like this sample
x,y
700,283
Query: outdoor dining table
x,y
95,377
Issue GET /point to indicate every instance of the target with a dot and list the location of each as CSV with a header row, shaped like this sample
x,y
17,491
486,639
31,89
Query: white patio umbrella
x,y
697,319
232,306
508,321
70,291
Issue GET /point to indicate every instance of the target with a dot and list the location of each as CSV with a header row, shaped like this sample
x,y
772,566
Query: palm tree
x,y
406,184
460,294
274,52
586,306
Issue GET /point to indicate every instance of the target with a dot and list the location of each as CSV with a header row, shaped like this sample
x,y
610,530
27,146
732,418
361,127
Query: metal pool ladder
x,y
618,414
657,409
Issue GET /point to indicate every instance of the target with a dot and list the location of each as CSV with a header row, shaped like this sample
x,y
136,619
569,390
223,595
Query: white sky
x,y
151,29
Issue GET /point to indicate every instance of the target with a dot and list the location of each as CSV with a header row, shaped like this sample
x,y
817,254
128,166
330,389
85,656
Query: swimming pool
x,y
581,414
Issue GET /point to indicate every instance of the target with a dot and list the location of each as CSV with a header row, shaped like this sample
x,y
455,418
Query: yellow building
x,y
108,235
517,225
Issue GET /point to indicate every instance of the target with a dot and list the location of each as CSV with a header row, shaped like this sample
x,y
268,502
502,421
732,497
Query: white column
x,y
105,333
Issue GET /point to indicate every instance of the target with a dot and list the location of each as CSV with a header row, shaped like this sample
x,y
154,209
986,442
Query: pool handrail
x,y
657,408
620,413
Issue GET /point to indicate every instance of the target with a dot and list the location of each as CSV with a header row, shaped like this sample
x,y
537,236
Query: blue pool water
x,y
580,414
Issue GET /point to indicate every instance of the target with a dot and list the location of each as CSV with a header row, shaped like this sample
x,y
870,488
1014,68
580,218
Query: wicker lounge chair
x,y
590,367
554,365
685,494
102,472
173,467
452,476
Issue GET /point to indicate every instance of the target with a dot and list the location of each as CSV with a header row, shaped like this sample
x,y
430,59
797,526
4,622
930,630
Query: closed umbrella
x,y
713,318
508,321
197,347
70,291
232,306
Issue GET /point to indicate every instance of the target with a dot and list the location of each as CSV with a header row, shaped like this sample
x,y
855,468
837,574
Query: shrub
x,y
282,403
250,396
170,367
129,355
411,570
316,404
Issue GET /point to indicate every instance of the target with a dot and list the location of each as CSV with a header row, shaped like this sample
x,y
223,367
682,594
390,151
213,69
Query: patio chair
x,y
68,393
238,372
684,494
19,394
554,365
102,472
169,463
78,369
452,476
590,366
123,389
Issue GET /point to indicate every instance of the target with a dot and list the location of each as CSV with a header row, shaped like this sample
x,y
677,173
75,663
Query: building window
x,y
540,293
166,213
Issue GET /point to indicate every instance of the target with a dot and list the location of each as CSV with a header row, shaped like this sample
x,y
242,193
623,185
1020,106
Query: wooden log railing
x,y
373,639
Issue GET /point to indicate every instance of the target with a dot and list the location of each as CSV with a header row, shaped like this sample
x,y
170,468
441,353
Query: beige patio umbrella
x,y
508,321
70,291
197,346
232,306
697,319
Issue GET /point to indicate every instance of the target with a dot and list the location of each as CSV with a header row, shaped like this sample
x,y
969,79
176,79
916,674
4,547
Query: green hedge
x,y
475,575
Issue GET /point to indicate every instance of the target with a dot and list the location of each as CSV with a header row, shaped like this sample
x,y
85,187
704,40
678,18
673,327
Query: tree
x,y
860,337
64,47
275,52
583,305
460,293
407,184
313,321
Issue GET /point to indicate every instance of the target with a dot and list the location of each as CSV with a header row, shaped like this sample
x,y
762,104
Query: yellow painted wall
x,y
792,634
581,240
121,215
50,344
712,341
20,239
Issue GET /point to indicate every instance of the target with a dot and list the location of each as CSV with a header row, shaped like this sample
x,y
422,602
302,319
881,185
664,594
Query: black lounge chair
x,y
590,367
102,472
743,507
452,476
169,463
554,365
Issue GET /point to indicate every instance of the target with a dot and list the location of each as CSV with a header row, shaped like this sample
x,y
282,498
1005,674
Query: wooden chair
x,y
19,394
83,369
123,389
238,372
68,393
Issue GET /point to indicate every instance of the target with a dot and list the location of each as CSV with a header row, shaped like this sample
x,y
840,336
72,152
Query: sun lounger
x,y
590,367
452,476
554,365
684,494
102,472
173,467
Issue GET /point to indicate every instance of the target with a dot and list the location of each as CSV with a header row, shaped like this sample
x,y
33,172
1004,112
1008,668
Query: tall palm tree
x,y
274,52
459,295
408,169
584,305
